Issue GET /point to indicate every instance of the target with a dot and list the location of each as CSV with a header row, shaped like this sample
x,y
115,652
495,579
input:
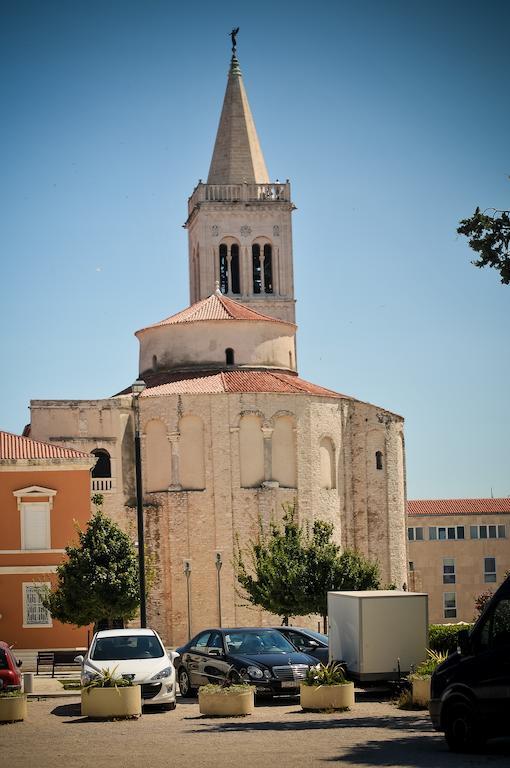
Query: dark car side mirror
x,y
19,662
464,643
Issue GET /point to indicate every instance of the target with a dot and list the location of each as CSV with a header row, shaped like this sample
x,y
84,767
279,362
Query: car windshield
x,y
257,642
317,636
127,647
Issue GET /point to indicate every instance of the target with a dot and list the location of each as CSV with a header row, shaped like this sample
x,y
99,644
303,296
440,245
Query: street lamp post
x,y
137,389
187,573
219,563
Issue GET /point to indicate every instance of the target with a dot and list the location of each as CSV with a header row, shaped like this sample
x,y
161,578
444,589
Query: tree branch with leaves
x,y
489,237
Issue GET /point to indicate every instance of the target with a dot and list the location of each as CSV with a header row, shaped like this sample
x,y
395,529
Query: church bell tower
x,y
239,222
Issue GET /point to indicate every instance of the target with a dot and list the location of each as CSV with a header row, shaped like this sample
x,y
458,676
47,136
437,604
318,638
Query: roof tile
x,y
18,447
457,506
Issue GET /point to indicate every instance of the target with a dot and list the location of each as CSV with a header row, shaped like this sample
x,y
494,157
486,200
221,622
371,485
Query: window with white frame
x,y
448,570
415,534
34,612
487,531
489,570
35,525
446,533
450,605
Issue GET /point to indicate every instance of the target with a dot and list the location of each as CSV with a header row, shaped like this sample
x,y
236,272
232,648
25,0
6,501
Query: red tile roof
x,y
233,381
18,447
458,506
215,307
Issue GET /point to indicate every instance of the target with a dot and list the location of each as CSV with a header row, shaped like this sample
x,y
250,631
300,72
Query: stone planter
x,y
327,696
106,703
12,708
421,690
226,703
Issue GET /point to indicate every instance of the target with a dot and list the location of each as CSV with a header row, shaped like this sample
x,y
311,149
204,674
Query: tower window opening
x,y
257,270
154,363
234,268
223,269
378,460
103,467
229,355
268,269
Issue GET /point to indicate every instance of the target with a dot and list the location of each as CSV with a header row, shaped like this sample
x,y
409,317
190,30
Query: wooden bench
x,y
56,659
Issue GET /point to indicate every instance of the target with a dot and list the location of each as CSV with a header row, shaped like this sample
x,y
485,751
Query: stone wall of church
x,y
214,465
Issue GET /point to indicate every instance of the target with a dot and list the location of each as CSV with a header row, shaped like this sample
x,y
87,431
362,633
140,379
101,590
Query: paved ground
x,y
372,734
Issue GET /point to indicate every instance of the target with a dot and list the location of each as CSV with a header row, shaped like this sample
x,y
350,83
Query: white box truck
x,y
376,631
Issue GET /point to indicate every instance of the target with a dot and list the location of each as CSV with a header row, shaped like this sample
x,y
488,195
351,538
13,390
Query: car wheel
x,y
462,732
185,683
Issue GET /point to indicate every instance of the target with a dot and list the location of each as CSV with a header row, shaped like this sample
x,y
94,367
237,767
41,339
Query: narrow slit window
x,y
378,460
234,268
223,269
268,269
257,271
229,356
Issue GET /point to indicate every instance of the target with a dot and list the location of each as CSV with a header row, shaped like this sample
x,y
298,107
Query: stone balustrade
x,y
235,193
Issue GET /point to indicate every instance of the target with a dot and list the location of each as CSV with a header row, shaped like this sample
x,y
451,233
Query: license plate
x,y
290,684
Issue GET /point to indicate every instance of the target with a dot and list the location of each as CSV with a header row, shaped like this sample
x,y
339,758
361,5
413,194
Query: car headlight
x,y
267,674
166,672
255,672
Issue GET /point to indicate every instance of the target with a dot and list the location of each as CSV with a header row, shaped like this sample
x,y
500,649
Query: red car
x,y
10,677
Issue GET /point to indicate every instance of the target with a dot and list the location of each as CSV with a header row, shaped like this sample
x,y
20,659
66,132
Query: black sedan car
x,y
307,640
262,656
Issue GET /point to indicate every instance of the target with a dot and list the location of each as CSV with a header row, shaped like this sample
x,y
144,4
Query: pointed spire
x,y
237,155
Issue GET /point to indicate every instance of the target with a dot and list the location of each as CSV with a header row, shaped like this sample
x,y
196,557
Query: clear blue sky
x,y
391,120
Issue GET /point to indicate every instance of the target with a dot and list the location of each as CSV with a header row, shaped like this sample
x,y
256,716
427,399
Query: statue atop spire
x,y
233,36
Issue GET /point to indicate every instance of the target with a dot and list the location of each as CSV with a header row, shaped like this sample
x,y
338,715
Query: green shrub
x,y
433,660
443,638
325,674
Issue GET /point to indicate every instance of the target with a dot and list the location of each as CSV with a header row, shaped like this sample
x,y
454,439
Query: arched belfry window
x,y
223,269
268,269
103,466
234,268
229,355
257,268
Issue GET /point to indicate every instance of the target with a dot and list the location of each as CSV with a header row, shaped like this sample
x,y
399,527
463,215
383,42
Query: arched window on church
x,y
283,454
378,460
191,443
158,462
229,355
268,269
234,268
327,463
223,269
102,471
257,269
251,451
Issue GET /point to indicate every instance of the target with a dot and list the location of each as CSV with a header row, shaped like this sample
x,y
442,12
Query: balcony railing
x,y
237,193
102,483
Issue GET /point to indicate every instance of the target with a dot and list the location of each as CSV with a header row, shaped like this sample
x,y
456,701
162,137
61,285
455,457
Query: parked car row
x,y
10,677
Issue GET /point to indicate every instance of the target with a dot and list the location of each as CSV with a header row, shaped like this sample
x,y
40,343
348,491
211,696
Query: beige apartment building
x,y
458,548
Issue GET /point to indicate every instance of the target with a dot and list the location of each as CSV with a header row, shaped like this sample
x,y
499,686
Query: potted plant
x,y
109,695
420,679
231,698
325,687
13,705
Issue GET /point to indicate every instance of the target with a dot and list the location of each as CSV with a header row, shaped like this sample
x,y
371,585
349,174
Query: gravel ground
x,y
374,733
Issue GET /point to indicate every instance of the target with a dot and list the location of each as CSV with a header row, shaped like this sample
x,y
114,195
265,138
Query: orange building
x,y
44,491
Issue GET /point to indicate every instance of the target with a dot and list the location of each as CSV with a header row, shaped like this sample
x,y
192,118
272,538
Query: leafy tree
x,y
489,236
292,568
98,581
278,564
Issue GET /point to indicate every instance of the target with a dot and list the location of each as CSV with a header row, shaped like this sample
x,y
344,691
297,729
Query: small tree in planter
x,y
420,679
108,695
13,705
325,687
231,698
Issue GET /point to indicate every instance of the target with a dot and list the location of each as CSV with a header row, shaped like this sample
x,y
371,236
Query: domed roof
x,y
215,307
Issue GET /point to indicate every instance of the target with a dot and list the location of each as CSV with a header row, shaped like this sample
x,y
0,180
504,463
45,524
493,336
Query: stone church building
x,y
229,430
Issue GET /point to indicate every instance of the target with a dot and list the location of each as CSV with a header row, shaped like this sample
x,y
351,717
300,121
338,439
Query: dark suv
x,y
470,691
